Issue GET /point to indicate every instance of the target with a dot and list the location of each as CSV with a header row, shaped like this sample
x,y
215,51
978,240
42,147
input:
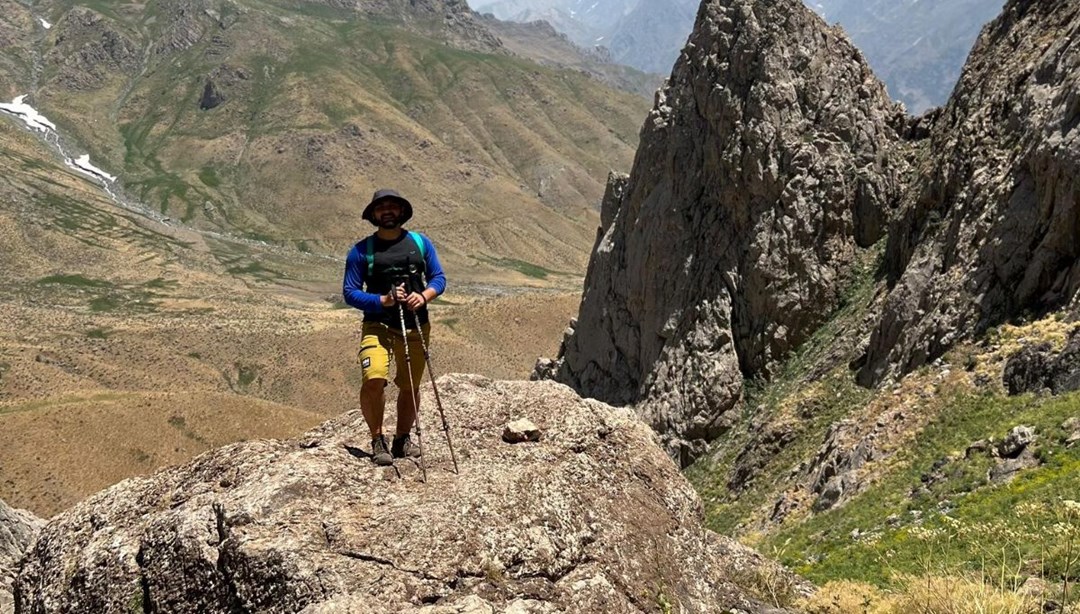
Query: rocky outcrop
x,y
989,230
184,24
224,83
89,50
765,163
17,530
1014,455
212,96
461,26
593,517
1071,429
1038,367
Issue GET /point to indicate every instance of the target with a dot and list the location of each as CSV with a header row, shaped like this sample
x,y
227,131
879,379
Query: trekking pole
x,y
412,388
438,401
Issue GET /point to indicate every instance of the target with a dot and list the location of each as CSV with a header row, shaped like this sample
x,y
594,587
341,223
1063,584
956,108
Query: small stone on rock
x,y
978,447
521,430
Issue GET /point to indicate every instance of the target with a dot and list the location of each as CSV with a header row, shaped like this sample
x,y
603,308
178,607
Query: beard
x,y
388,221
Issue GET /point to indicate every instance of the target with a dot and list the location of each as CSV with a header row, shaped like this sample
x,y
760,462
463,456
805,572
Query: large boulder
x,y
17,530
989,229
592,518
1038,367
769,158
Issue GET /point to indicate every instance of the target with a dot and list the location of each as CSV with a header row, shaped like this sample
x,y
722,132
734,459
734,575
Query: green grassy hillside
x,y
313,107
929,518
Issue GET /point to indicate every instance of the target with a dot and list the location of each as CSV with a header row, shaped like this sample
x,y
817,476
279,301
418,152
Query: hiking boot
x,y
379,454
404,447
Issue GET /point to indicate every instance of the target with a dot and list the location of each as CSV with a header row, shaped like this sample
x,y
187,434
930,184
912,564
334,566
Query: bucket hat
x,y
384,194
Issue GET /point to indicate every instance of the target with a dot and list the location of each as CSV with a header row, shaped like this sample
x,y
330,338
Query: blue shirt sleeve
x,y
436,279
353,286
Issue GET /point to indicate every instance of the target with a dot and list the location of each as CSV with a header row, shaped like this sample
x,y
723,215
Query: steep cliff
x,y
990,226
766,162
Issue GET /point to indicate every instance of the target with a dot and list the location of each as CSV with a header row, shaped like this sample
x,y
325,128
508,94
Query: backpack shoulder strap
x,y
369,254
419,244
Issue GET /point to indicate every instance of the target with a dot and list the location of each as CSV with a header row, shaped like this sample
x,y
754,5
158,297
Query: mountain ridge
x,y
800,168
917,49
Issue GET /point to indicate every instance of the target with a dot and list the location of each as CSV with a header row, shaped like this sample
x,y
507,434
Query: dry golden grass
x,y
1007,339
151,395
846,597
924,595
57,451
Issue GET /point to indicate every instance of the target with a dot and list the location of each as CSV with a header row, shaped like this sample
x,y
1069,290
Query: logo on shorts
x,y
365,363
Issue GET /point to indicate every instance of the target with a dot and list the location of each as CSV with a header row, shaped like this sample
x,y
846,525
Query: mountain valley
x,y
855,331
196,301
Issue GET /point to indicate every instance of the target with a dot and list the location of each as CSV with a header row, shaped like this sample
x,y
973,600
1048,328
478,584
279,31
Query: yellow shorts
x,y
379,342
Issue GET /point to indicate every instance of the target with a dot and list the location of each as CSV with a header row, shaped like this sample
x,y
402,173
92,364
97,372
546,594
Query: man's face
x,y
387,213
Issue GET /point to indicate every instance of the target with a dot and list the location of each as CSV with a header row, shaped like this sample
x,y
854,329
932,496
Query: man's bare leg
x,y
372,405
406,411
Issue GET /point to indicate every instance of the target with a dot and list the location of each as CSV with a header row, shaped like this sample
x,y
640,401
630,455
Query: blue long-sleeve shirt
x,y
356,288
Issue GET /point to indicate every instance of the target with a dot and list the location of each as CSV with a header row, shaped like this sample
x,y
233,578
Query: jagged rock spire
x,y
764,164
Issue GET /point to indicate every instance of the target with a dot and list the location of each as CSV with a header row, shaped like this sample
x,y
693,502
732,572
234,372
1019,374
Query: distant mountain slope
x,y
541,42
651,35
128,343
581,20
645,34
277,120
916,48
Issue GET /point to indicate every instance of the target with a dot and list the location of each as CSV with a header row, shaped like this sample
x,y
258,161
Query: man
x,y
384,274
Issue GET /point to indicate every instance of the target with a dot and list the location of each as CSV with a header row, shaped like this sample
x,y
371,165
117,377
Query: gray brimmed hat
x,y
384,194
